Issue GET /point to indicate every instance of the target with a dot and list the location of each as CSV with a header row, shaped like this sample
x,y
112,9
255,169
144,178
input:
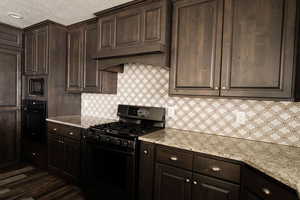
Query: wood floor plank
x,y
26,180
16,172
29,183
57,193
12,179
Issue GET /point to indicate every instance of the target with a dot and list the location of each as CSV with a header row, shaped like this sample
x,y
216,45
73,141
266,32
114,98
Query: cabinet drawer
x,y
175,157
71,132
217,168
54,128
68,131
266,187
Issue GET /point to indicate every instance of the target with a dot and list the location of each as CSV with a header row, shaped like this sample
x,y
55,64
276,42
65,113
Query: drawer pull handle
x,y
71,133
216,169
145,152
195,182
266,191
187,180
174,158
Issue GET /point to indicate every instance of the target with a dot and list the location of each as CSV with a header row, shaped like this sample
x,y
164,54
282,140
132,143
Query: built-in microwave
x,y
36,86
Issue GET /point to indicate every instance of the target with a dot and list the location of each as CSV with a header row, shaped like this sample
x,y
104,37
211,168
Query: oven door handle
x,y
99,146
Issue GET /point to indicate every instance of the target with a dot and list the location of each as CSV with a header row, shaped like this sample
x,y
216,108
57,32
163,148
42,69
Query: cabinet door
x,y
91,73
74,69
10,36
106,32
9,137
30,53
208,188
56,152
41,53
258,47
172,183
146,172
10,96
196,47
250,196
128,28
72,158
109,82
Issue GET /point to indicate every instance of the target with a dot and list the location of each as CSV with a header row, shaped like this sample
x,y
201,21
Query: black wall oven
x,y
34,115
108,172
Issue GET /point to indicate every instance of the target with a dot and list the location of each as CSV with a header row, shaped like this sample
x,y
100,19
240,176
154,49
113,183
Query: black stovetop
x,y
125,129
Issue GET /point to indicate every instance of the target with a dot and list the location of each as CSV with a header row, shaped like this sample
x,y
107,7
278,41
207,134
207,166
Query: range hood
x,y
137,32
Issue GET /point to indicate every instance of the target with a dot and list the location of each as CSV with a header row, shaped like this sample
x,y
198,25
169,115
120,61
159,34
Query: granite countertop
x,y
278,161
79,121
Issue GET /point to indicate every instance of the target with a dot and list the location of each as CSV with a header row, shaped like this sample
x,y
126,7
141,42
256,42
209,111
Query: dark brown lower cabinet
x,y
72,157
209,178
146,171
259,186
250,196
207,188
172,183
64,156
55,152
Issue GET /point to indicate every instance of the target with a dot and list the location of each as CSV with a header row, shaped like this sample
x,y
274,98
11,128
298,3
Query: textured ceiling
x,y
62,11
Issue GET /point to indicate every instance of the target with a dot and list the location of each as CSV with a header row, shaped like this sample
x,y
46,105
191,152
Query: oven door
x,y
34,122
108,174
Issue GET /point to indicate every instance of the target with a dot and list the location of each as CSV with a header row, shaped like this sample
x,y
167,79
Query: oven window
x,y
111,175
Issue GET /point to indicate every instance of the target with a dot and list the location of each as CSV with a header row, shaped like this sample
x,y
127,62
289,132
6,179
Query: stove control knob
x,y
124,143
117,142
107,139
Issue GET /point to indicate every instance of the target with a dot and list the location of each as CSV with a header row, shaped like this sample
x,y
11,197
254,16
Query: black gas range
x,y
110,152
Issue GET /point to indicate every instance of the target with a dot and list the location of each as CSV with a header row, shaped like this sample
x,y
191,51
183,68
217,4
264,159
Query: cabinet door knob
x,y
266,191
145,152
216,88
71,133
174,158
224,88
55,129
33,154
195,182
187,180
216,169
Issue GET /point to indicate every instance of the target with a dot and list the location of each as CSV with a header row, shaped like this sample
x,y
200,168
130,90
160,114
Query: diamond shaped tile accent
x,y
268,121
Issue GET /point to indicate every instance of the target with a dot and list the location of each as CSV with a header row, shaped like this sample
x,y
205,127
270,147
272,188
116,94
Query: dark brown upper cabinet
x,y
83,73
234,48
36,51
10,36
75,60
258,48
196,47
133,30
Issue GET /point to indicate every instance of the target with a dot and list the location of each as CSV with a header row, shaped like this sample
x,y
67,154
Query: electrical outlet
x,y
240,118
171,112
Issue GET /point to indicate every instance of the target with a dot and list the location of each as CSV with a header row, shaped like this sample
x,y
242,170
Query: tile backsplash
x,y
268,121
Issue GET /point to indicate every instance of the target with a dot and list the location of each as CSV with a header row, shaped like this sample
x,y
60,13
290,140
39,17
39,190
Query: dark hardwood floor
x,y
28,183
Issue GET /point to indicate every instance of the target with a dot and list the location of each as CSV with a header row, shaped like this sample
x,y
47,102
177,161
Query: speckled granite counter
x,y
79,121
278,161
